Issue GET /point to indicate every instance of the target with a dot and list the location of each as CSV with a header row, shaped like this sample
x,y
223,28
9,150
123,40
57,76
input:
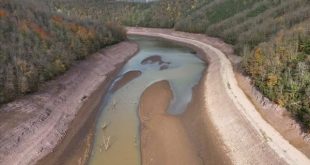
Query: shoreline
x,y
48,113
81,129
181,139
248,138
60,114
202,132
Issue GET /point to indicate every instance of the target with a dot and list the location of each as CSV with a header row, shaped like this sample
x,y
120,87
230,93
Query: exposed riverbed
x,y
117,138
219,125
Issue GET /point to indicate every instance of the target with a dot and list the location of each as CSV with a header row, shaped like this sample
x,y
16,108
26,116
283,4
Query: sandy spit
x,y
32,126
185,139
163,137
247,137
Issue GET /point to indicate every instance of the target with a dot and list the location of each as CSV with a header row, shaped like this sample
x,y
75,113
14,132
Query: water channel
x,y
117,130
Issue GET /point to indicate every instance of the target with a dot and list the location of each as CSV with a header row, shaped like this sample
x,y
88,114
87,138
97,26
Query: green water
x,y
118,123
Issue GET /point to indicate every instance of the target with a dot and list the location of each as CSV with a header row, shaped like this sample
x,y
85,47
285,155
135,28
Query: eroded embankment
x,y
248,138
169,139
201,130
32,126
276,115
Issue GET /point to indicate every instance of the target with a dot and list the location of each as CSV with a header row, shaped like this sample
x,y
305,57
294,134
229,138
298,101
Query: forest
x,y
38,44
272,36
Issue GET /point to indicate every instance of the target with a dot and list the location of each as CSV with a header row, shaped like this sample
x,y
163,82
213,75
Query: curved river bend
x,y
117,131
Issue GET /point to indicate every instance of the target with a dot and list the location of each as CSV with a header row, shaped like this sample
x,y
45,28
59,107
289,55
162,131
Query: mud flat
x,y
125,79
163,137
247,137
171,139
60,113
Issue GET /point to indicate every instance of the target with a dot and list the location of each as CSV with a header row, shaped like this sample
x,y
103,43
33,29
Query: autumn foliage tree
x,y
38,44
281,70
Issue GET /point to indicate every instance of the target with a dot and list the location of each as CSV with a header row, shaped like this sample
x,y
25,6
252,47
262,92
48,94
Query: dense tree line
x,y
280,68
272,36
241,23
161,14
37,44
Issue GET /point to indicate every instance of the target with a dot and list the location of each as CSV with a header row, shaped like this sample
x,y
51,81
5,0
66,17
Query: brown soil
x,y
201,130
163,138
127,77
168,139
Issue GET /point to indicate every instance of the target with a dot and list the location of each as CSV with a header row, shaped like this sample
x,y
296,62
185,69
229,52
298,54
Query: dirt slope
x,y
31,127
248,138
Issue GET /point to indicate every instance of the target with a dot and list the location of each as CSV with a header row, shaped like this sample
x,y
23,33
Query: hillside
x,y
37,44
161,14
243,24
197,82
271,35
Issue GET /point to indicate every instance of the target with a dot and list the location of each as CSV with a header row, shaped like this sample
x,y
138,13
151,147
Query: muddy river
x,y
117,130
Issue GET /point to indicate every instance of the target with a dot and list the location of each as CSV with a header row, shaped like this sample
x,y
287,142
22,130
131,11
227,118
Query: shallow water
x,y
118,123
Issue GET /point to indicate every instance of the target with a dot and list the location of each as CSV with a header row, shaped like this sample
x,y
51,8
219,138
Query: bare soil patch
x,y
183,140
163,137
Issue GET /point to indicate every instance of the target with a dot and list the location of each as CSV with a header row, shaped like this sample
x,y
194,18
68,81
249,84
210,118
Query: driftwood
x,y
113,105
105,125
